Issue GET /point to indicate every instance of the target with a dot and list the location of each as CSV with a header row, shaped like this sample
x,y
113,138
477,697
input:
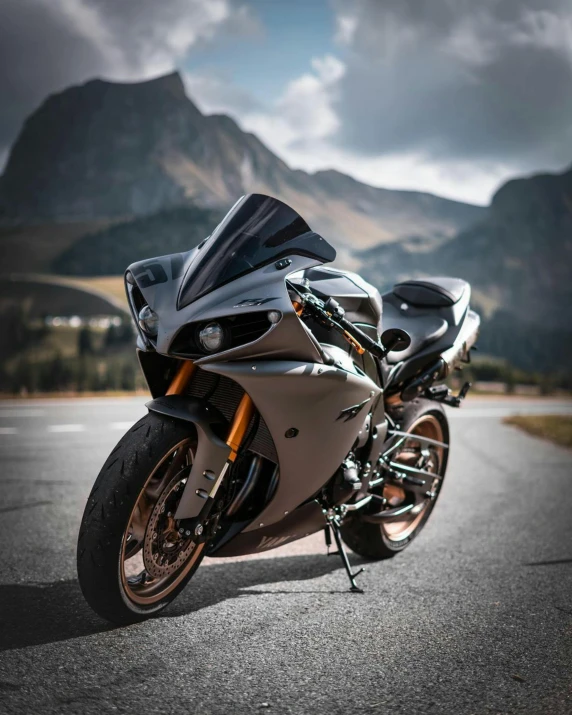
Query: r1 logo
x,y
151,274
252,302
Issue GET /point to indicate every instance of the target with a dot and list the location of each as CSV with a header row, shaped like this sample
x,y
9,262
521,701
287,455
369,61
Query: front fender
x,y
212,452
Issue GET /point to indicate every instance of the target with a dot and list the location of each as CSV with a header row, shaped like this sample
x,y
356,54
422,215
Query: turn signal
x,y
149,321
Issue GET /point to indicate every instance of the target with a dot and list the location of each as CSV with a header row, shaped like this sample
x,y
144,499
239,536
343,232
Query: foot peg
x,y
334,526
441,393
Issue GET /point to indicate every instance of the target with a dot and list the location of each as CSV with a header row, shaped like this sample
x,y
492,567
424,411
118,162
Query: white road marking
x,y
66,428
498,411
121,425
55,402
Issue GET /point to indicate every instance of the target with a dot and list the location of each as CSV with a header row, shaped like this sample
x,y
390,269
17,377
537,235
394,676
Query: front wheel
x,y
131,560
384,540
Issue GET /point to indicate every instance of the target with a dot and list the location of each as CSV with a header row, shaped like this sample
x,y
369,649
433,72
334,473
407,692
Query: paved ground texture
x,y
475,617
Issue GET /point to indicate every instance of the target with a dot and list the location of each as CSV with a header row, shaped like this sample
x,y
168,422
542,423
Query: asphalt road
x,y
474,617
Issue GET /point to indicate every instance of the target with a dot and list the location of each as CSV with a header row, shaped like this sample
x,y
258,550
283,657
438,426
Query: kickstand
x,y
341,551
328,537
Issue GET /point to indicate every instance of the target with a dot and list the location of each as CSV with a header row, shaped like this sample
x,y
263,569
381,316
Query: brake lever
x,y
331,314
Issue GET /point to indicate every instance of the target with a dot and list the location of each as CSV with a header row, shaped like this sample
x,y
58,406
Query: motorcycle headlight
x,y
212,337
149,321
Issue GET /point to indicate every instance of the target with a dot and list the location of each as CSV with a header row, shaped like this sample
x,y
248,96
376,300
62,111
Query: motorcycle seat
x,y
437,292
423,330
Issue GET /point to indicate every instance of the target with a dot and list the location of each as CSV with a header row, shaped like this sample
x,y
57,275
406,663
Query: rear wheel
x,y
384,540
131,560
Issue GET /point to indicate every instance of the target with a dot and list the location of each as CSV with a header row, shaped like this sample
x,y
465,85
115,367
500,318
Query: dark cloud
x,y
46,45
39,53
451,81
458,80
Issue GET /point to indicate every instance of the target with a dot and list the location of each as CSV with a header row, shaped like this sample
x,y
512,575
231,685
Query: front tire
x,y
376,541
131,561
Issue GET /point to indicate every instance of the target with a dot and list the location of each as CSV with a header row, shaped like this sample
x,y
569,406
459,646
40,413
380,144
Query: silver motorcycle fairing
x,y
288,339
305,520
324,406
211,453
293,390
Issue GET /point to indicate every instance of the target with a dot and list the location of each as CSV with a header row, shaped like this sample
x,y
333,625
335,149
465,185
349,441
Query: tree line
x,y
34,359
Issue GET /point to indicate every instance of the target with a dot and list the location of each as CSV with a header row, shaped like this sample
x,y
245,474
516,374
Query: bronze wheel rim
x,y
154,557
428,457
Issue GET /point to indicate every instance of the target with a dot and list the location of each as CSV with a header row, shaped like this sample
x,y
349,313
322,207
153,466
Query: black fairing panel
x,y
438,292
159,371
359,299
424,330
433,329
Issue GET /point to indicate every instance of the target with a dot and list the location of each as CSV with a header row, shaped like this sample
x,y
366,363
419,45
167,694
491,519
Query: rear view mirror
x,y
395,339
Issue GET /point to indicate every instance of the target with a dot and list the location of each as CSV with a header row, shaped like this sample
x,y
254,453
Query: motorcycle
x,y
284,403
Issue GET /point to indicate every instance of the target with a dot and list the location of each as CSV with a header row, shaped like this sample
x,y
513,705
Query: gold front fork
x,y
239,425
241,418
182,378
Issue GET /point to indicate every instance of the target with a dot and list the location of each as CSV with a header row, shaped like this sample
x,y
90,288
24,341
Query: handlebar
x,y
333,308
331,314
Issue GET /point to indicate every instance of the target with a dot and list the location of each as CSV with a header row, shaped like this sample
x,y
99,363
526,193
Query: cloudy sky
x,y
448,96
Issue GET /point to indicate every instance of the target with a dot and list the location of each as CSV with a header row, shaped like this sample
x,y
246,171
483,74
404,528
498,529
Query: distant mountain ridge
x,y
518,259
522,250
109,150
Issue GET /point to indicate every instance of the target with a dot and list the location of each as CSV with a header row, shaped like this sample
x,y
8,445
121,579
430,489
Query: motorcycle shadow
x,y
219,582
38,614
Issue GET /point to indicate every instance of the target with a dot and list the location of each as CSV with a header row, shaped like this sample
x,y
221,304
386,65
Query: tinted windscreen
x,y
258,230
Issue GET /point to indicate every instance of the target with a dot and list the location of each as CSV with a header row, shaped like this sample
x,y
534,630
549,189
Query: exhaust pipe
x,y
458,353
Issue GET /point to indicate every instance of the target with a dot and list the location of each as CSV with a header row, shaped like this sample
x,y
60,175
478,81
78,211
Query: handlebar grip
x,y
333,307
370,345
334,315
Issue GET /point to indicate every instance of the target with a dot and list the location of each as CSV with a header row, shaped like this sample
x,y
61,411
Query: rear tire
x,y
372,540
105,540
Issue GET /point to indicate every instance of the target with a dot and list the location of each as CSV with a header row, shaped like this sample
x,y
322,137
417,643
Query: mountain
x,y
106,150
522,251
518,259
107,252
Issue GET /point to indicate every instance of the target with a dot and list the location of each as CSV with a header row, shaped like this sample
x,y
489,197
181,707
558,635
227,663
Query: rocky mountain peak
x,y
105,150
95,150
169,84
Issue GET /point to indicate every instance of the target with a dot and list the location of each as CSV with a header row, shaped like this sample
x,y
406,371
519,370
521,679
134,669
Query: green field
x,y
39,295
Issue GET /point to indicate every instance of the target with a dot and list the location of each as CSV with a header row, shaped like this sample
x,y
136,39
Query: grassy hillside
x,y
33,248
39,296
110,251
110,286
